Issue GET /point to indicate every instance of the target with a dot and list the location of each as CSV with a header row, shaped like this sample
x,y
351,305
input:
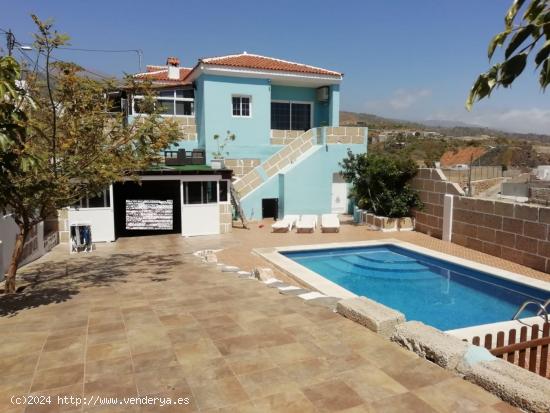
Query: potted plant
x,y
218,156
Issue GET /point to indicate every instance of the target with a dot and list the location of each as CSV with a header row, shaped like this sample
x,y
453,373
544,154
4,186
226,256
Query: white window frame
x,y
84,203
303,102
241,106
174,99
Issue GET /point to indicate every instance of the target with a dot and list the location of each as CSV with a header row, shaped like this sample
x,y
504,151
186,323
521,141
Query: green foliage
x,y
59,143
221,153
532,29
380,183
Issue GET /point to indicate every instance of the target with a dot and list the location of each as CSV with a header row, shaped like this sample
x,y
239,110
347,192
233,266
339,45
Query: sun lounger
x,y
285,224
330,223
307,223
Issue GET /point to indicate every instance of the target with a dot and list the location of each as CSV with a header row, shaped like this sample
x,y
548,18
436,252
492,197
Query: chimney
x,y
173,68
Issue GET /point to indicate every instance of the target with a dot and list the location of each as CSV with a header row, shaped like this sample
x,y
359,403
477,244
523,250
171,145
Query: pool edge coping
x,y
316,281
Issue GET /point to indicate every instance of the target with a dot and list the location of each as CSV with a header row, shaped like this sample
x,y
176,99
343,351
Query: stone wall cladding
x,y
516,232
241,166
284,137
432,185
341,134
226,218
188,127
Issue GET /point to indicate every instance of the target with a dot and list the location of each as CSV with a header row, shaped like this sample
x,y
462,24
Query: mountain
x,y
447,128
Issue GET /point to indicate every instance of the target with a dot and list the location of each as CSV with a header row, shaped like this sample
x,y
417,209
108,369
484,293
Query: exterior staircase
x,y
299,147
276,162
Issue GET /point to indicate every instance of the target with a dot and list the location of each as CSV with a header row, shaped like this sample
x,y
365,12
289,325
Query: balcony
x,y
182,157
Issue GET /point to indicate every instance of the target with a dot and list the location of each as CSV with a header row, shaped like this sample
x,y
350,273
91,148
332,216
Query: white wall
x,y
101,220
200,219
8,232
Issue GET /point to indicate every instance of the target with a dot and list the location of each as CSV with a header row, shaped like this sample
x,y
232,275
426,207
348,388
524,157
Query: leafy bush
x,y
380,183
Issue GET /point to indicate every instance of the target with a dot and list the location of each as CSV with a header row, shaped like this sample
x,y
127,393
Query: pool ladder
x,y
542,307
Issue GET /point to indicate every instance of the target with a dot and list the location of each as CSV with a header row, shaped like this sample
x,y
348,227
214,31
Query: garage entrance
x,y
147,208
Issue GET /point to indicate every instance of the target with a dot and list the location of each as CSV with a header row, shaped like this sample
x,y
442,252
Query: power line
x,y
139,52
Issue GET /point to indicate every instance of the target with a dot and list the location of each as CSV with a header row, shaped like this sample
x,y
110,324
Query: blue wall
x,y
252,133
306,187
214,113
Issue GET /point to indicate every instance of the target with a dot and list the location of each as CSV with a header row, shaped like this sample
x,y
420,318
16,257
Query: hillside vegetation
x,y
415,140
380,123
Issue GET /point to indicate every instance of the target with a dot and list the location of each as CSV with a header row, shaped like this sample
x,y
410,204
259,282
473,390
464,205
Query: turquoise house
x,y
285,118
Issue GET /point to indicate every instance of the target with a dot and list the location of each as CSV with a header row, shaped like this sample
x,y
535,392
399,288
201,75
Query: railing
x,y
182,157
529,353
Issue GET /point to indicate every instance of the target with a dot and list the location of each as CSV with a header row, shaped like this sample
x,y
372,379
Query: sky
x,y
403,59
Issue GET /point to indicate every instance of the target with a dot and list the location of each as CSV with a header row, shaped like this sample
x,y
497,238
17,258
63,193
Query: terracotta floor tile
x,y
211,335
107,351
266,382
163,380
117,385
19,364
195,352
95,370
220,393
417,373
204,371
249,362
406,402
288,353
446,396
371,383
332,396
58,377
289,402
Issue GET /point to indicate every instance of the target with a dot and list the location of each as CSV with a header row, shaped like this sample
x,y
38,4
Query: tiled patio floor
x,y
144,317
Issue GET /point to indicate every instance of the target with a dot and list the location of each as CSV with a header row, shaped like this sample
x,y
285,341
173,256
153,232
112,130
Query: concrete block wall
x,y
226,218
517,232
432,185
513,231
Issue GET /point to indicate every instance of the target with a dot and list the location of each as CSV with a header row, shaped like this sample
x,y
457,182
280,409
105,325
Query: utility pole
x,y
10,41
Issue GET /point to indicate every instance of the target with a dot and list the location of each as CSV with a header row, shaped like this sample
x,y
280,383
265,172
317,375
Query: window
x,y
179,102
101,200
224,189
290,115
280,115
209,192
205,192
241,106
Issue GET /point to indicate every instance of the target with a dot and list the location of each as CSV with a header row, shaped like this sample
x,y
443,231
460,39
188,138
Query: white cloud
x,y
533,120
404,99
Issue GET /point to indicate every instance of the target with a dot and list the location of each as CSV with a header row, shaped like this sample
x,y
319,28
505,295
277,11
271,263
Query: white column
x,y
448,217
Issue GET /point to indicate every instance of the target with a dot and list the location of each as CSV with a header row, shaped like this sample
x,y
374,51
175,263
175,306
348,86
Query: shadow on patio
x,y
58,281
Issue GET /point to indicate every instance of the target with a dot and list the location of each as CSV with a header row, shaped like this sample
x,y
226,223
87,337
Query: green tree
x,y
58,141
522,37
380,183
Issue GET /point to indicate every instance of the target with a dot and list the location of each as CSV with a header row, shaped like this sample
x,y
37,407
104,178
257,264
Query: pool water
x,y
437,292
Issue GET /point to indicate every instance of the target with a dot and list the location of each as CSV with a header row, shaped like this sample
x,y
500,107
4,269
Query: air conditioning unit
x,y
323,94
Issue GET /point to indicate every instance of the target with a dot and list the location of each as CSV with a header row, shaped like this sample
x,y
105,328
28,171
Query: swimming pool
x,y
435,291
